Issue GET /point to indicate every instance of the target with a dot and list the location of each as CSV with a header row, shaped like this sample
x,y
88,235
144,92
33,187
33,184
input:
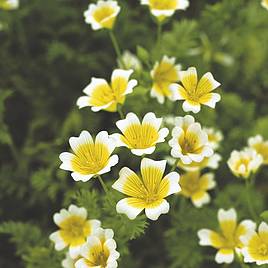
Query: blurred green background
x,y
48,55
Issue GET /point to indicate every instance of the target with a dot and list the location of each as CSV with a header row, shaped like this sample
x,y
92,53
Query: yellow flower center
x,y
74,230
90,158
163,4
103,13
189,143
140,136
98,256
262,149
263,249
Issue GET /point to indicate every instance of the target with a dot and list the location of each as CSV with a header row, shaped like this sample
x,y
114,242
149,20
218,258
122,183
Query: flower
x,y
130,61
227,241
264,3
211,162
141,138
260,146
256,245
74,229
99,250
147,191
90,158
214,137
244,163
69,262
189,142
9,4
102,96
102,14
195,186
164,74
165,8
194,92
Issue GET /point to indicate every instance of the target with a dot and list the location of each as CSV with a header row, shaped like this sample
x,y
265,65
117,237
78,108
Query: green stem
x,y
175,165
105,189
116,48
120,112
159,35
250,207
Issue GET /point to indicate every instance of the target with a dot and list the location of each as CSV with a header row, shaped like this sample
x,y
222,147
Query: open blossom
x,y
9,4
146,191
214,137
104,96
74,228
163,75
165,8
244,163
140,137
69,262
228,240
194,92
90,157
130,61
102,14
99,251
260,146
256,245
264,3
189,142
195,186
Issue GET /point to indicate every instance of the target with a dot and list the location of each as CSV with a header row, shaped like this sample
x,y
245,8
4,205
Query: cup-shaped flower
x,y
227,241
194,92
102,96
147,191
163,75
162,9
214,137
99,250
74,228
264,3
130,61
256,245
90,157
9,4
195,186
244,163
140,137
260,146
102,15
189,142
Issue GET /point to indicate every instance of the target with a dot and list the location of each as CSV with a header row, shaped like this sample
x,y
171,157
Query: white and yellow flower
x,y
189,142
140,137
214,137
9,4
163,75
195,186
194,92
74,229
99,251
147,191
102,15
260,146
227,241
256,245
130,61
162,9
102,96
69,262
264,3
90,157
211,162
244,163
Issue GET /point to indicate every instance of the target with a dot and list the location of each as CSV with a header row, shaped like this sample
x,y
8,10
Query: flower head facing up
x,y
74,229
140,137
195,187
260,146
164,74
256,245
228,239
90,157
147,191
194,92
214,137
162,9
99,250
102,96
264,3
244,163
102,15
189,142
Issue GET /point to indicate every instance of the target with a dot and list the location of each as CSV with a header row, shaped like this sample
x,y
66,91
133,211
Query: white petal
x,y
189,107
114,159
263,228
84,138
247,237
124,208
66,159
74,251
117,138
131,119
81,212
221,257
83,102
213,100
140,152
154,213
152,120
81,263
160,12
173,179
81,177
131,84
95,83
60,217
227,215
155,94
149,163
200,201
163,133
59,242
204,236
